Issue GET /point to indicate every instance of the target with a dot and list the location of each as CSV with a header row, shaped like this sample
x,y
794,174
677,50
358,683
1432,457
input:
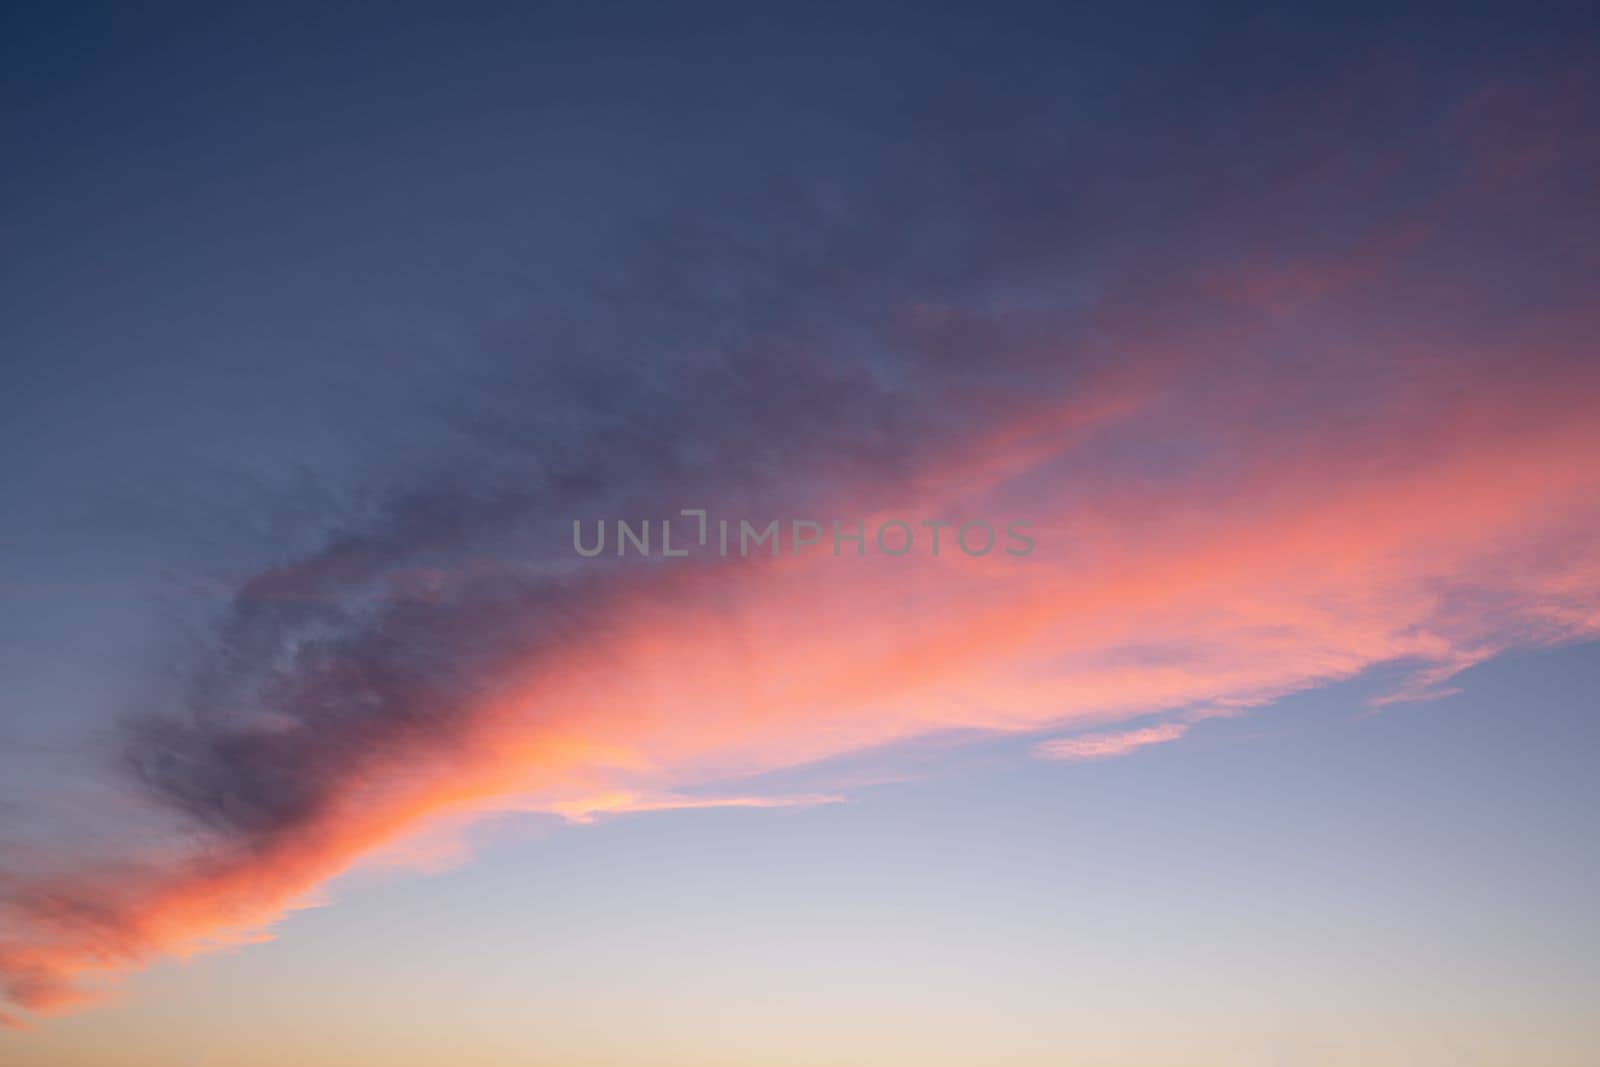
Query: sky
x,y
1159,616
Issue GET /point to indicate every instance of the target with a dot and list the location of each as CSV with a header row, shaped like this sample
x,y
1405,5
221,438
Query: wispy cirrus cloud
x,y
1259,457
1108,743
588,809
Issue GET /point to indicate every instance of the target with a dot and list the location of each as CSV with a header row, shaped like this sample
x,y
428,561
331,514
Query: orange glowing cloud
x,y
1217,524
1304,566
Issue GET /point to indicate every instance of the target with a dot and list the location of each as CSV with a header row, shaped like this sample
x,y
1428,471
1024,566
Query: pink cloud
x,y
1109,744
1219,525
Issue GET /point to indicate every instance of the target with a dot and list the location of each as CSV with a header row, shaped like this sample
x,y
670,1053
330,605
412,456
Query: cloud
x,y
587,809
1106,744
1257,456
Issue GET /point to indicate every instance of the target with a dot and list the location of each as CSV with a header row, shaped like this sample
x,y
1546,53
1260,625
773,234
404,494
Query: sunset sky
x,y
1262,341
